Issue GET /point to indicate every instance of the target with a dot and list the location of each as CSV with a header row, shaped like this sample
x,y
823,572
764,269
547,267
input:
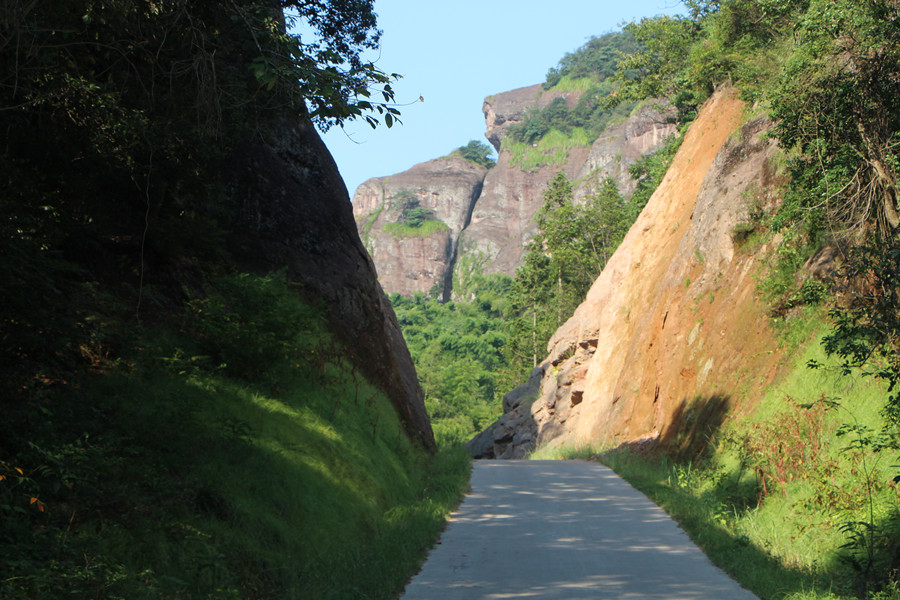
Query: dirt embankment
x,y
673,322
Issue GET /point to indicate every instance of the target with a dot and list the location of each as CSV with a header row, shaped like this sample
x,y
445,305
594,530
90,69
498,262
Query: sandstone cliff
x,y
446,186
490,213
673,321
502,221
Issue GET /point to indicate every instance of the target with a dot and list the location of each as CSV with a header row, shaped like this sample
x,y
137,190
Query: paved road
x,y
566,530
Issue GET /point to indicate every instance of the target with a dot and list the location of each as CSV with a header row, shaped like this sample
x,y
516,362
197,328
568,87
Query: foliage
x,y
563,259
174,473
823,69
591,65
411,219
649,171
427,228
458,351
866,331
837,104
572,245
167,433
551,150
591,114
596,59
478,153
795,501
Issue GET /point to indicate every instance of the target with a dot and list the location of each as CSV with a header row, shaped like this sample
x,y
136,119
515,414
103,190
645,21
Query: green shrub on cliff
x,y
411,219
478,153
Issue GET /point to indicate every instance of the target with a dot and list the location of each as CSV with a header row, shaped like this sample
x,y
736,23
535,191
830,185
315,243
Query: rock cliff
x,y
673,322
407,264
490,213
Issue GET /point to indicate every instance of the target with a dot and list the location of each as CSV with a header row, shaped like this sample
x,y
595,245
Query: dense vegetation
x,y
236,455
408,218
477,152
799,499
173,425
471,351
458,348
588,72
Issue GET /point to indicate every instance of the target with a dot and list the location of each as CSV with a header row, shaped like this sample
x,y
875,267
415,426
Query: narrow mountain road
x,y
567,530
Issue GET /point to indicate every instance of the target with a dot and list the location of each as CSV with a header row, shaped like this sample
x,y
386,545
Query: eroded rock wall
x,y
503,218
407,264
673,321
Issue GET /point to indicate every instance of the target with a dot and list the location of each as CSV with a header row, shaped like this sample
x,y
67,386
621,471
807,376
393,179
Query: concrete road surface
x,y
567,530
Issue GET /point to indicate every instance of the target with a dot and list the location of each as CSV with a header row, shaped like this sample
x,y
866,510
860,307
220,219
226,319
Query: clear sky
x,y
453,54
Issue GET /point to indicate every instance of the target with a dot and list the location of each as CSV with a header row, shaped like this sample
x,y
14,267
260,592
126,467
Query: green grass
x,y
551,150
427,229
174,475
793,542
567,83
566,452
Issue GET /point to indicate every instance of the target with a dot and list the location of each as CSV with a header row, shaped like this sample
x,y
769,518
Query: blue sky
x,y
453,54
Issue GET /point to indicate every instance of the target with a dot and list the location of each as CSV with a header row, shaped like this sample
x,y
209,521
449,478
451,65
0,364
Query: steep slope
x,y
204,389
672,322
294,213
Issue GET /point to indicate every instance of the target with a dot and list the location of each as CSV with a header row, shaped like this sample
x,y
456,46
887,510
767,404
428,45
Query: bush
x,y
248,324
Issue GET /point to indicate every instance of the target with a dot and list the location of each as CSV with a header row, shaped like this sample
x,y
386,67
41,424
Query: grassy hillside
x,y
796,500
235,455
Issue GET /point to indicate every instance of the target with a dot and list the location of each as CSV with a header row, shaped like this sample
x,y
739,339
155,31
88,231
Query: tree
x,y
120,117
478,153
566,255
838,103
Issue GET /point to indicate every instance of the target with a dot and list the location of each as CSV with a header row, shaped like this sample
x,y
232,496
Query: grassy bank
x,y
236,455
797,500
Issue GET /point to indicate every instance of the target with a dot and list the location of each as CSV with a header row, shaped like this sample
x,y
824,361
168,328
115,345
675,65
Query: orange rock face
x,y
673,320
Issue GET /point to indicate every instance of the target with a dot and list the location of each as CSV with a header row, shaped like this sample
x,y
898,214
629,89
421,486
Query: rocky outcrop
x,y
503,218
504,110
673,321
489,214
449,188
620,146
295,214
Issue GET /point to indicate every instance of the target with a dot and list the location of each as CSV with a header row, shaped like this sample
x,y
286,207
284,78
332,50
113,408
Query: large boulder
x,y
295,213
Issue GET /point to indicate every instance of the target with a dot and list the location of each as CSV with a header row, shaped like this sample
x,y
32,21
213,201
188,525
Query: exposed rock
x,y
295,213
448,186
673,319
620,146
506,109
514,434
492,217
503,218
